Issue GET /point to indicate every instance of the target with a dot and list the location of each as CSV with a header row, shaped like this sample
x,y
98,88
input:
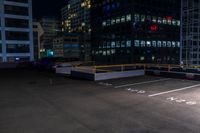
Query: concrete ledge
x,y
106,76
171,74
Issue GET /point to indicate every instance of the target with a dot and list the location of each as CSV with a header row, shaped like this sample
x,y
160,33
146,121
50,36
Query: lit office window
x,y
143,18
154,19
112,51
173,22
142,43
178,44
148,43
178,22
112,21
164,44
112,44
159,44
123,44
137,43
149,18
108,44
128,17
108,52
142,58
128,43
118,44
137,17
103,23
159,20
117,20
123,19
104,53
173,44
154,43
169,43
169,21
164,21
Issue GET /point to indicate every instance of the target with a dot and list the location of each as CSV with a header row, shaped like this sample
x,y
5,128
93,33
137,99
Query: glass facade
x,y
135,31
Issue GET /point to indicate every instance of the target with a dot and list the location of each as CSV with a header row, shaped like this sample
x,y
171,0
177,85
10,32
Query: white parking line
x,y
166,92
153,81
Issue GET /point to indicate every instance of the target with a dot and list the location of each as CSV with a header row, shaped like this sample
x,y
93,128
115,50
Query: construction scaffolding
x,y
190,32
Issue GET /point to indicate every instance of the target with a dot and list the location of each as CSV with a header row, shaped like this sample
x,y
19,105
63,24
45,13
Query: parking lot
x,y
42,102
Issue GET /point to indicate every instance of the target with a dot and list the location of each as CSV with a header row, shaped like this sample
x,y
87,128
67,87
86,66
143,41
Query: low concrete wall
x,y
172,74
115,75
106,76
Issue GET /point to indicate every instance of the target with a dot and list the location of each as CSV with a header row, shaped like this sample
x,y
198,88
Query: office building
x,y
135,31
16,34
190,32
76,20
37,34
52,28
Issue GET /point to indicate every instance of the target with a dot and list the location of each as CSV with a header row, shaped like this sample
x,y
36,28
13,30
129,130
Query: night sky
x,y
47,8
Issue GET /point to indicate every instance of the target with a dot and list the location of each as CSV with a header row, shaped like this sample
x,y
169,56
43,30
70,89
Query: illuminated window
x,y
137,43
123,19
143,17
112,51
142,43
112,44
173,22
159,20
142,58
104,53
104,23
169,21
154,19
169,43
159,44
128,43
108,52
118,44
123,44
112,21
154,43
137,17
164,21
178,44
148,43
117,20
128,17
173,44
164,44
178,23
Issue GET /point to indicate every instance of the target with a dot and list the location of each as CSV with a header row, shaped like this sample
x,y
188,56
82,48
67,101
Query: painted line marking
x,y
176,90
140,83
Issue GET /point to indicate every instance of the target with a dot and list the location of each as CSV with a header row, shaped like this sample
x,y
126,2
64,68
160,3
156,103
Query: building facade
x,y
135,31
67,46
52,28
16,34
190,32
76,20
37,34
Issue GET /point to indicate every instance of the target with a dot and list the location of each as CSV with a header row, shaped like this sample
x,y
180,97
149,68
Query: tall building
x,y
37,34
16,34
135,31
76,20
190,33
52,28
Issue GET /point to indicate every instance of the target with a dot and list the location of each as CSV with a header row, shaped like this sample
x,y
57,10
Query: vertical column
x,y
3,36
31,31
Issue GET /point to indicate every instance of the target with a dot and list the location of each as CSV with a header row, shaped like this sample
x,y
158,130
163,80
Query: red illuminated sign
x,y
154,27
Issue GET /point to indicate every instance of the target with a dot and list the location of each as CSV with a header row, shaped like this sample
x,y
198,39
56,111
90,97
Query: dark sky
x,y
47,8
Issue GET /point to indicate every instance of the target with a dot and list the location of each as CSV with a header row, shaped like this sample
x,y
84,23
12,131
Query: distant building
x,y
135,31
190,33
37,34
76,20
16,34
67,46
52,28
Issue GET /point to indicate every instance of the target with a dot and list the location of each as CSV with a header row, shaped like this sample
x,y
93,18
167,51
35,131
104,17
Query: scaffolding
x,y
190,32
